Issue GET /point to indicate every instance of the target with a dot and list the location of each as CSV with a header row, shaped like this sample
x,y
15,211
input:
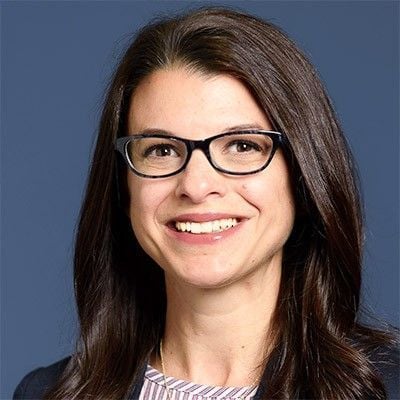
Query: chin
x,y
206,276
208,284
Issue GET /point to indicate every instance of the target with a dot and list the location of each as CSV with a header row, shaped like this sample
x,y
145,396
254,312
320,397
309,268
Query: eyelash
x,y
156,147
253,145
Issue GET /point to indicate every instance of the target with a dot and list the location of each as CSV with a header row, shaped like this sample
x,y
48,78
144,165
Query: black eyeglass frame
x,y
121,145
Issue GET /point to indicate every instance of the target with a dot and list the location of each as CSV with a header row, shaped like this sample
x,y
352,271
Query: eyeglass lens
x,y
236,153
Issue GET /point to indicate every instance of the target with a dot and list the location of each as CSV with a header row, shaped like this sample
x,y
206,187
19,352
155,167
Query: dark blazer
x,y
34,384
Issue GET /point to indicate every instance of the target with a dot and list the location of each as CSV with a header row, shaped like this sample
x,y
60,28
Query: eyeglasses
x,y
234,153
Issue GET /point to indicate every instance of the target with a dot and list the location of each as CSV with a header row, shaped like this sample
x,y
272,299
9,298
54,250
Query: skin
x,y
220,296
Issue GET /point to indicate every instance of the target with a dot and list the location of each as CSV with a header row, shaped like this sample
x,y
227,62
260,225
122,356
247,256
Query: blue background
x,y
56,58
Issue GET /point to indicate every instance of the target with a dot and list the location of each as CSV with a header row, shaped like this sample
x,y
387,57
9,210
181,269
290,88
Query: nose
x,y
200,180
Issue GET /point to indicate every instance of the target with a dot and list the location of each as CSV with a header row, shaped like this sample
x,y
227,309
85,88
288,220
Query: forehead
x,y
182,101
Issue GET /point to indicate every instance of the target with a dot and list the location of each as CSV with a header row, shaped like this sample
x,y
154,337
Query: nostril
x,y
200,180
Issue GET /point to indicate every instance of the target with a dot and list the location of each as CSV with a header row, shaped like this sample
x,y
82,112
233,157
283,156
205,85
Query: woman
x,y
220,238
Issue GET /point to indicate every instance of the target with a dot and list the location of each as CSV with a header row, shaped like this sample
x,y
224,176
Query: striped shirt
x,y
154,389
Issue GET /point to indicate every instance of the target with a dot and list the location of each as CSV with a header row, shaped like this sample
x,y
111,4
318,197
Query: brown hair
x,y
321,350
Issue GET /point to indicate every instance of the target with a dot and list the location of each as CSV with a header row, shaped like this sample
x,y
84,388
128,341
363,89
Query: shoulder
x,y
386,361
37,382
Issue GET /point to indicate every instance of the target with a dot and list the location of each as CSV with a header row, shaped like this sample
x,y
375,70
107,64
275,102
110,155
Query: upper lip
x,y
203,217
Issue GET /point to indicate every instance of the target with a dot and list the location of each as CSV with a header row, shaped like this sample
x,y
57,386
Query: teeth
x,y
206,227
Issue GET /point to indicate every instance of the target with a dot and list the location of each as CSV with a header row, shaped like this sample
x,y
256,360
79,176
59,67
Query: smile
x,y
217,225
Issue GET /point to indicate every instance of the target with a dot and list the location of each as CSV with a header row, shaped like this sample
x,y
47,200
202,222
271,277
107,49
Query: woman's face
x,y
194,106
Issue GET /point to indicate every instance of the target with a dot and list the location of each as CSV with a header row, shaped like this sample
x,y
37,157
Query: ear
x,y
300,196
121,187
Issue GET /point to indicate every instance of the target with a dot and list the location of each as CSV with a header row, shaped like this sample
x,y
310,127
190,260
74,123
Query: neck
x,y
219,336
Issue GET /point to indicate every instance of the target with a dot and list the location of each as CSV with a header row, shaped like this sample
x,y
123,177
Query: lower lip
x,y
203,238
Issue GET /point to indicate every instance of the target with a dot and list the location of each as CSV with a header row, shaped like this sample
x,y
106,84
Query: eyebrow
x,y
234,128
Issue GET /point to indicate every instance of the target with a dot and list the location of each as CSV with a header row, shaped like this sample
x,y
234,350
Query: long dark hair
x,y
321,350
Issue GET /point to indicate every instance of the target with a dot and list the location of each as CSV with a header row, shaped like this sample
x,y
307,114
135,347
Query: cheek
x,y
285,202
145,199
273,198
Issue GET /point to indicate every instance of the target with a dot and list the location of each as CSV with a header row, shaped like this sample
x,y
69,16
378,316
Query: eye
x,y
244,146
161,150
